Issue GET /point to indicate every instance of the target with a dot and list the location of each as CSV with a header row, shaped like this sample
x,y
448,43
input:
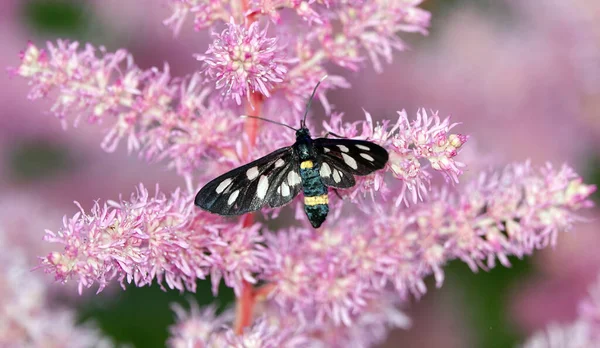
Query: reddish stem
x,y
244,308
253,108
245,303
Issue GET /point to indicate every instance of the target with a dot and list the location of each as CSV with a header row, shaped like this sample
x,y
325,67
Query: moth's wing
x,y
333,175
340,159
273,179
285,183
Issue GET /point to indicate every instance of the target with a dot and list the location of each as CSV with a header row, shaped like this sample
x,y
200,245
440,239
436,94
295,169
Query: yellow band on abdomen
x,y
306,164
322,199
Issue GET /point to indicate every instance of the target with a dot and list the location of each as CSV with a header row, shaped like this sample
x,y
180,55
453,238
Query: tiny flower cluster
x,y
244,60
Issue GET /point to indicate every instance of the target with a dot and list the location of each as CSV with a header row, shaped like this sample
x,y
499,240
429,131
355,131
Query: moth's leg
x,y
339,136
335,135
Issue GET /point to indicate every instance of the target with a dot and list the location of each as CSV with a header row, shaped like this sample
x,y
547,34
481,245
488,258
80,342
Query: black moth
x,y
310,165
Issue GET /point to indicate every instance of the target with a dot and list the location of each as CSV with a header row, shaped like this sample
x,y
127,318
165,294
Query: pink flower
x,y
153,237
243,60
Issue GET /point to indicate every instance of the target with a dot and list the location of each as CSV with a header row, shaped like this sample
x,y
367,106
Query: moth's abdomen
x,y
316,213
316,201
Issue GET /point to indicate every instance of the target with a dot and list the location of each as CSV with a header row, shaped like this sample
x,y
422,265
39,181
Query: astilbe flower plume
x,y
153,237
140,102
336,286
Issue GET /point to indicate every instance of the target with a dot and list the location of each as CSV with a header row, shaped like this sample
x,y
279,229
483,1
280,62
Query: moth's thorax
x,y
304,145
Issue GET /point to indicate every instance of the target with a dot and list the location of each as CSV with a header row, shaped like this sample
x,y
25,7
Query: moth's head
x,y
302,133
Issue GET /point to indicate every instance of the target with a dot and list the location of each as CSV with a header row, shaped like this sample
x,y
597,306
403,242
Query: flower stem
x,y
245,303
253,108
244,308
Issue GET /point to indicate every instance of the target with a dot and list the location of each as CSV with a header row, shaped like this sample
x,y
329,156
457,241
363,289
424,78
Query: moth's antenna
x,y
303,123
267,120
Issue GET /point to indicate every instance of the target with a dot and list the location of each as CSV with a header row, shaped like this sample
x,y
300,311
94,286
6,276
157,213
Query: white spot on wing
x,y
223,185
343,148
285,189
293,178
263,186
349,161
362,147
336,175
326,150
325,170
233,196
279,163
367,157
252,173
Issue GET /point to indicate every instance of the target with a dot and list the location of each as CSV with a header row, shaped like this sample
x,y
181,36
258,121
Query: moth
x,y
309,165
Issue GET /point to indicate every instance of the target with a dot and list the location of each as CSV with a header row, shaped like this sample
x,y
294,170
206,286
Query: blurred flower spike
x,y
340,285
583,332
